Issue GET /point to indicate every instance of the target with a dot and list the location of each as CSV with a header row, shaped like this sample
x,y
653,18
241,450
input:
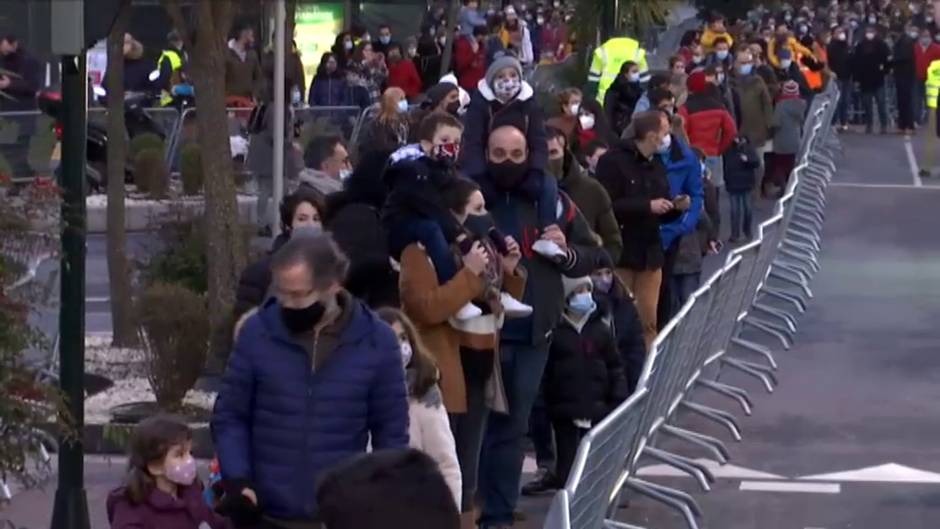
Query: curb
x,y
143,215
111,439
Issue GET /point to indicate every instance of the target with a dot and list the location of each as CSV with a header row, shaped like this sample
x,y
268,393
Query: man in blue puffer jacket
x,y
314,375
684,172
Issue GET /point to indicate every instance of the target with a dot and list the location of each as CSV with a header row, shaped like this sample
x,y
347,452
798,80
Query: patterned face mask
x,y
506,89
446,152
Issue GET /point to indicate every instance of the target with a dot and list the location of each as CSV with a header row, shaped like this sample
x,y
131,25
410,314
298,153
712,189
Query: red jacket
x,y
404,75
709,125
923,58
470,67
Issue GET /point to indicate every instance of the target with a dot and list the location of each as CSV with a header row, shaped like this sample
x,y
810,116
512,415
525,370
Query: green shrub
x,y
182,258
143,142
174,328
191,169
151,174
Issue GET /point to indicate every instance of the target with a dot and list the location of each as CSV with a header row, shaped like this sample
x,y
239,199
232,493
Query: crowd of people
x,y
491,268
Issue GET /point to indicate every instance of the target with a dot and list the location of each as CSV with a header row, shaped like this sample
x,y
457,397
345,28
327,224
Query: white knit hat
x,y
570,284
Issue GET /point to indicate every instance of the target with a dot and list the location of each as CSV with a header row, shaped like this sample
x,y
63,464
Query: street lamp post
x,y
71,505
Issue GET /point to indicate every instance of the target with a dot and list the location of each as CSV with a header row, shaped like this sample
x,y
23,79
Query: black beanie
x,y
385,489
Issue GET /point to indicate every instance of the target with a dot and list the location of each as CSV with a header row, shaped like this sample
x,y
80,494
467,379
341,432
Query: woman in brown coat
x,y
466,356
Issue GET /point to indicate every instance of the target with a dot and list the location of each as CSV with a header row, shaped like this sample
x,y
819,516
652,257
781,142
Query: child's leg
x,y
747,203
429,234
736,212
567,438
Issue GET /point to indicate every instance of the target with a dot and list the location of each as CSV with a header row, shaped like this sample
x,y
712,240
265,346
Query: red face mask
x,y
446,152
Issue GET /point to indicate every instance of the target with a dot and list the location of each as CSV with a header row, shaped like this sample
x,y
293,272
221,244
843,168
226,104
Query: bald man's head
x,y
507,157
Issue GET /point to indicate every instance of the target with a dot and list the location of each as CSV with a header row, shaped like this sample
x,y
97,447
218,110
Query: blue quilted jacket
x,y
279,423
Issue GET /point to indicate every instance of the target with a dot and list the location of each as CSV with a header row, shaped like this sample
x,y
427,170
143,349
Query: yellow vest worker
x,y
175,74
933,84
609,58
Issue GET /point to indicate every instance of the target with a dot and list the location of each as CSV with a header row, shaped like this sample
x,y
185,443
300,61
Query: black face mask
x,y
452,107
507,175
303,320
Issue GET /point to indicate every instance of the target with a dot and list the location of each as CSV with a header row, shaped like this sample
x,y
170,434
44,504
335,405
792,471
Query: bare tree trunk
x,y
453,9
119,281
225,248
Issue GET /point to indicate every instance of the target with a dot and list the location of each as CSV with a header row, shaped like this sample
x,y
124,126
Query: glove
x,y
237,507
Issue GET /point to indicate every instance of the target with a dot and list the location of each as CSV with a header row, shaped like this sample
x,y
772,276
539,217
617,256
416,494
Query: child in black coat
x,y
584,378
616,303
741,166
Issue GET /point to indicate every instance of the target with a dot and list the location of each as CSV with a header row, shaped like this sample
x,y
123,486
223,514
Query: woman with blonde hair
x,y
389,129
428,424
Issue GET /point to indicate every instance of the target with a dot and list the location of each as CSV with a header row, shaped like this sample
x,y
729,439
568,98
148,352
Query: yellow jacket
x,y
796,49
709,36
933,84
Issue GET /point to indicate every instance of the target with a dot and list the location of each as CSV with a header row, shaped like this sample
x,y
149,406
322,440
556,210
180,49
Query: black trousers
x,y
664,309
905,98
567,438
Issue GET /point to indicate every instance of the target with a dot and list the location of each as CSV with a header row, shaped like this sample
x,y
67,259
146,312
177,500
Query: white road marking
x,y
727,471
861,185
791,486
887,473
912,161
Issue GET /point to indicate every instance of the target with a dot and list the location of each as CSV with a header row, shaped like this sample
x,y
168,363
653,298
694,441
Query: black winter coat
x,y
619,310
619,102
584,376
840,59
902,61
741,164
21,94
255,280
632,181
870,64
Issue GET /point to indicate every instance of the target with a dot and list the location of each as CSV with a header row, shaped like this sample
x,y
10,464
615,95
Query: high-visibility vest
x,y
176,65
933,84
609,57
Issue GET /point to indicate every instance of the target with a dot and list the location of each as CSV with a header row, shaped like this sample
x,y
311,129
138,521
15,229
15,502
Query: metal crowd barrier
x,y
763,287
27,145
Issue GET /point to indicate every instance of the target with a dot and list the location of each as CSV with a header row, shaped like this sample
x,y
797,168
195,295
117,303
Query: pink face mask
x,y
183,473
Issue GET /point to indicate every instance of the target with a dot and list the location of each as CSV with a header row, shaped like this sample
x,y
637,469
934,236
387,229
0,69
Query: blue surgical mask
x,y
403,106
582,303
385,39
722,54
603,284
745,69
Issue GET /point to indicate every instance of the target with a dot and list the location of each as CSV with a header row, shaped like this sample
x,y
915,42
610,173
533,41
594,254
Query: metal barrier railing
x,y
762,286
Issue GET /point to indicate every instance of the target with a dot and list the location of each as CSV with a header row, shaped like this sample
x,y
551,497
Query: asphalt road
x,y
857,391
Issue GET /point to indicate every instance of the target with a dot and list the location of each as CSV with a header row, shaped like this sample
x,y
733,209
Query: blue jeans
x,y
877,98
741,215
503,446
841,117
430,235
683,286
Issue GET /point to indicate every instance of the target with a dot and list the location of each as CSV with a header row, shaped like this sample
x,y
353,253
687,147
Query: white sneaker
x,y
547,248
468,312
512,307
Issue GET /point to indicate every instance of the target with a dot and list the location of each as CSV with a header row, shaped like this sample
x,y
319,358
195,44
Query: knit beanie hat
x,y
696,82
438,92
570,284
791,88
500,63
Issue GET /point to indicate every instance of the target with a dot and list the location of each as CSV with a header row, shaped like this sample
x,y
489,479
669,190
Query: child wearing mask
x,y
616,304
583,380
503,98
428,426
161,489
415,211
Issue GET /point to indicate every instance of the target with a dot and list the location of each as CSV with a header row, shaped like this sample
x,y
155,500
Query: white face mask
x,y
785,63
722,54
406,353
634,77
587,121
574,108
506,89
665,144
403,106
344,174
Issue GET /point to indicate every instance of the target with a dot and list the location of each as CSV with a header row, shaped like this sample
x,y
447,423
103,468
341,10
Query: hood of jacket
x,y
525,93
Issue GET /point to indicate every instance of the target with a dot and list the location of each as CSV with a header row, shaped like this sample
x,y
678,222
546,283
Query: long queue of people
x,y
486,271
